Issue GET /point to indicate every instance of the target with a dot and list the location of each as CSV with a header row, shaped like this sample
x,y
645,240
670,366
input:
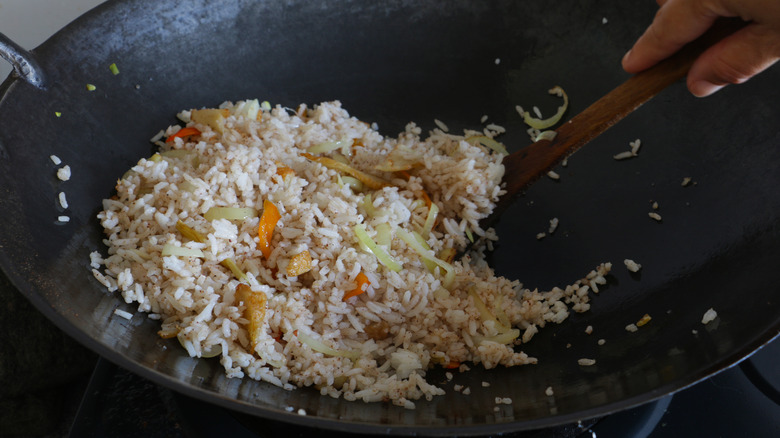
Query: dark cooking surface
x,y
741,401
398,61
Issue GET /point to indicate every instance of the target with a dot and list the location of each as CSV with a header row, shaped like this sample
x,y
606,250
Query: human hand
x,y
733,60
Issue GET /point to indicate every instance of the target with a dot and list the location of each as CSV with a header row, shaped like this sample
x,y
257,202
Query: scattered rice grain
x,y
709,316
123,314
632,265
63,200
63,173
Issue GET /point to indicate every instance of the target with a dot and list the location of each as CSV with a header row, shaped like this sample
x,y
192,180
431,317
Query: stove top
x,y
741,401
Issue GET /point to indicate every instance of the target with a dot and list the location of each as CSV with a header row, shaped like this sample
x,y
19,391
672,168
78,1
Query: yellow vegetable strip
x,y
370,181
254,312
189,233
231,264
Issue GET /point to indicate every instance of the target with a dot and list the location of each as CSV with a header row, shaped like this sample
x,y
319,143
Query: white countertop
x,y
31,22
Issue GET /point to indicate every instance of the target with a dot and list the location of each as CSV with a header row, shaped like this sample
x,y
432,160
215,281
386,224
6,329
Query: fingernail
x,y
625,57
703,88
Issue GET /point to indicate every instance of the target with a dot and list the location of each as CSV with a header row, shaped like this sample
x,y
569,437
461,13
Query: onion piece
x,y
546,135
329,146
180,251
230,213
381,255
317,345
212,351
353,183
506,337
414,244
546,123
488,143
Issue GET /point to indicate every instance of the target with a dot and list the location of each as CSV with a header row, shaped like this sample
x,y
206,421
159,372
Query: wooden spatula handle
x,y
530,163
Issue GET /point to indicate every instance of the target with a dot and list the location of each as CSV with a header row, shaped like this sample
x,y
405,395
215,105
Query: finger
x,y
735,59
676,23
660,2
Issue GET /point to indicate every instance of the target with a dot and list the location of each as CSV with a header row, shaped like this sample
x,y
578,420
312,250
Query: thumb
x,y
735,59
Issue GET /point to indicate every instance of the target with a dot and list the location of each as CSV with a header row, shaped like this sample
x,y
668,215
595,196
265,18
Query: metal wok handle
x,y
24,62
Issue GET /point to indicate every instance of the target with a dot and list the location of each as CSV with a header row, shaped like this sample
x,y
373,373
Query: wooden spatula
x,y
532,162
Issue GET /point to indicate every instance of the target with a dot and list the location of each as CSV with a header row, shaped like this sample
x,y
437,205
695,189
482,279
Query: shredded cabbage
x,y
428,263
180,251
230,213
430,221
384,235
317,345
382,255
427,254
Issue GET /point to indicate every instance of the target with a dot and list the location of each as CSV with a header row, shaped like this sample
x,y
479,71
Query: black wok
x,y
391,62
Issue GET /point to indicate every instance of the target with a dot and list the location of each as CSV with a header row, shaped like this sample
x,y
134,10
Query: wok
x,y
391,62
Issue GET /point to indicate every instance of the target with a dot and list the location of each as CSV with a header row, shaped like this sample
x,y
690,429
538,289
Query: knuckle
x,y
732,71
